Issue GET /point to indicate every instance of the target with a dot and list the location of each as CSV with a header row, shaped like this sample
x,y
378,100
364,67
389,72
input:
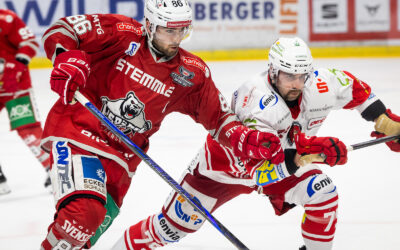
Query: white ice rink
x,y
368,185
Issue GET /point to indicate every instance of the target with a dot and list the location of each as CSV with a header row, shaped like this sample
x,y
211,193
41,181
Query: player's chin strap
x,y
142,155
307,159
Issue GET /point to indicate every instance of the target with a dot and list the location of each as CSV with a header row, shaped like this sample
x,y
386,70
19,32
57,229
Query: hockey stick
x,y
306,159
142,155
372,142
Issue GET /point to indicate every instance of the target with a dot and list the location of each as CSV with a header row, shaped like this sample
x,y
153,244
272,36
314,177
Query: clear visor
x,y
290,78
294,77
179,33
294,83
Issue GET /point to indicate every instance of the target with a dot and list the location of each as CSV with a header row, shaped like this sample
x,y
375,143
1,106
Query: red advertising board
x,y
341,20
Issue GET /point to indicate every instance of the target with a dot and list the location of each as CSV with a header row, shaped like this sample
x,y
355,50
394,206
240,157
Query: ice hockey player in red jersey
x,y
17,47
291,100
136,75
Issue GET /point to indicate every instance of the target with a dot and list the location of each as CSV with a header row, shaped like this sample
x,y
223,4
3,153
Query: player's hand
x,y
388,124
249,143
71,70
393,145
13,72
332,150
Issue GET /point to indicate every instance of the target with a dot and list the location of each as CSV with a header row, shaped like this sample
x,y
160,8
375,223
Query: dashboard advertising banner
x,y
218,24
354,20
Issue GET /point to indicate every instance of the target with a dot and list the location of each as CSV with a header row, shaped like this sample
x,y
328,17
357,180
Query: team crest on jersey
x,y
266,100
183,78
133,48
126,113
294,130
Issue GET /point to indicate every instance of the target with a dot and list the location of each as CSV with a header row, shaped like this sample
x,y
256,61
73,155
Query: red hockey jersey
x,y
130,86
16,40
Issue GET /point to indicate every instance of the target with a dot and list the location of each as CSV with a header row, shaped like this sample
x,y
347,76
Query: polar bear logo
x,y
131,107
126,113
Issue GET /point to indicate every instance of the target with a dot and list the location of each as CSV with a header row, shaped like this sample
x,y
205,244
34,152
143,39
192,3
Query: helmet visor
x,y
173,34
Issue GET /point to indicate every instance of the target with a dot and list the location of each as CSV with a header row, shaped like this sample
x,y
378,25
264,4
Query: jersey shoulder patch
x,y
337,76
268,100
330,80
194,61
124,24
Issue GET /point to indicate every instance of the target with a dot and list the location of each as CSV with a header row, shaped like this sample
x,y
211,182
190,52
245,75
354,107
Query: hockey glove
x,y
13,71
249,143
71,70
332,150
388,124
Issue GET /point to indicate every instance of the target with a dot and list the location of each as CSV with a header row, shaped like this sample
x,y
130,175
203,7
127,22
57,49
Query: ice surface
x,y
368,186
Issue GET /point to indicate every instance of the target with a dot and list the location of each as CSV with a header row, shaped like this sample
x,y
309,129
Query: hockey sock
x,y
319,224
75,224
112,212
140,236
31,136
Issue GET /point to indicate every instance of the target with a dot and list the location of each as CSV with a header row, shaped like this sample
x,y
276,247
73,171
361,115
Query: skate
x,y
4,188
47,183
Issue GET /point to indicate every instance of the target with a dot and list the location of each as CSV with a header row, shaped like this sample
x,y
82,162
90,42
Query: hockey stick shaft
x,y
142,155
372,142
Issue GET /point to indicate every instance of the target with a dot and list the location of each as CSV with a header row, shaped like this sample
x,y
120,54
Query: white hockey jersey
x,y
259,106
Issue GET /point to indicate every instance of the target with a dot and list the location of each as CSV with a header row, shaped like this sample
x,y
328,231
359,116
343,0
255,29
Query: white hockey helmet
x,y
291,55
168,13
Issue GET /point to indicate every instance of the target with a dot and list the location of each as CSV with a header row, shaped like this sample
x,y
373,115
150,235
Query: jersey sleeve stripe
x,y
64,25
62,31
31,44
208,158
230,157
23,56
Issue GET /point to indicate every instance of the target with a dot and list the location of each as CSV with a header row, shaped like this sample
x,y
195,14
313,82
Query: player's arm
x,y
89,33
208,107
22,38
70,41
64,44
373,109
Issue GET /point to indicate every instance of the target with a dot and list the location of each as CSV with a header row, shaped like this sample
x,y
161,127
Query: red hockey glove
x,y
13,71
388,124
249,143
334,150
71,70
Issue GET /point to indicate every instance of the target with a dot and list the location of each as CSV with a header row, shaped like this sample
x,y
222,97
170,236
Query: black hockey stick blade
x,y
372,142
164,175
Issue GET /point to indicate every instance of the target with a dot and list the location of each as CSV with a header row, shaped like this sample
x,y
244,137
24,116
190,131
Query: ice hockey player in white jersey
x,y
291,100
